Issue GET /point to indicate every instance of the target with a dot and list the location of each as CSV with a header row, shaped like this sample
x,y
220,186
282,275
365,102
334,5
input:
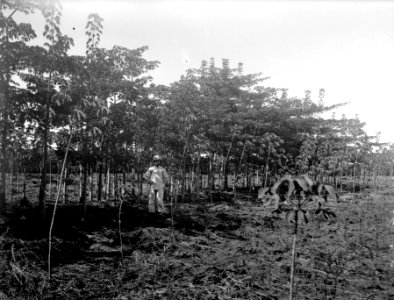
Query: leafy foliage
x,y
293,194
214,120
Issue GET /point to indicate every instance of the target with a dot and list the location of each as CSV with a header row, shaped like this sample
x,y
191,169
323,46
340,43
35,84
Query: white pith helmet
x,y
157,157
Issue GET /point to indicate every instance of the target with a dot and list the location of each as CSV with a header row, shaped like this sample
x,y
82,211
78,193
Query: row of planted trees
x,y
214,122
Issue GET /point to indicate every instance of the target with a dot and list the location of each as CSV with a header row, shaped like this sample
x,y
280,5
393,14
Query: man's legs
x,y
160,203
153,194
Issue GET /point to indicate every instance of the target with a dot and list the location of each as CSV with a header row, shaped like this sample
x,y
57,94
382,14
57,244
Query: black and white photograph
x,y
197,149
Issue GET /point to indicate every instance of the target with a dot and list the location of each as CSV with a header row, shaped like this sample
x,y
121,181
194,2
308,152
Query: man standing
x,y
157,177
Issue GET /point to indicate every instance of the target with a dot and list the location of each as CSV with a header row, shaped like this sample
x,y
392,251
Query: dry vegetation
x,y
212,250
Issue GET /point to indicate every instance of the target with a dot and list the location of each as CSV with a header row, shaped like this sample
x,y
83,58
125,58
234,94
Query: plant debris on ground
x,y
205,250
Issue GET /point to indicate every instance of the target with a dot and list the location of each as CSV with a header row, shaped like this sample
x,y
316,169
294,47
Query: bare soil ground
x,y
220,250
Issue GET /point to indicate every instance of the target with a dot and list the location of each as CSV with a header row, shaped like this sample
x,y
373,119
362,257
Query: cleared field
x,y
224,250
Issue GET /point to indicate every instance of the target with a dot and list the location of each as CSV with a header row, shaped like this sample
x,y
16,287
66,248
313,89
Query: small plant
x,y
292,196
332,263
120,229
55,206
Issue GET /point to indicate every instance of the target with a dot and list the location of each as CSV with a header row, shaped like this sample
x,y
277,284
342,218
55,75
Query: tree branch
x,y
10,16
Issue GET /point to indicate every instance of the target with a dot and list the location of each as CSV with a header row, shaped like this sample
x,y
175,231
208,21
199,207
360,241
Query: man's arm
x,y
148,174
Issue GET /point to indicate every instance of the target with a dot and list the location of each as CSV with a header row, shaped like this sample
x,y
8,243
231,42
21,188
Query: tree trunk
x,y
3,156
65,196
90,181
107,180
84,188
43,184
114,184
57,177
184,170
266,166
11,177
80,182
18,190
85,171
221,171
24,186
54,208
84,180
4,98
50,181
211,180
198,176
123,182
100,181
251,175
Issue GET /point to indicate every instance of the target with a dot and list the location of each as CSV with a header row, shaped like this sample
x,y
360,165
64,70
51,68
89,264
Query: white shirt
x,y
157,175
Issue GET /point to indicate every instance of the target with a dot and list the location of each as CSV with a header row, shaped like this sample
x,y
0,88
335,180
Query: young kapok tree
x,y
73,118
111,85
18,56
44,77
179,124
382,162
130,94
207,102
85,84
293,196
270,150
13,52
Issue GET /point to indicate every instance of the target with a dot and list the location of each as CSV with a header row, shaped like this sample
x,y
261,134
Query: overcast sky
x,y
345,47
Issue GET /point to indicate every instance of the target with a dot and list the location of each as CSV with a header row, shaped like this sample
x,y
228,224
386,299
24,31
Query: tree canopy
x,y
214,119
